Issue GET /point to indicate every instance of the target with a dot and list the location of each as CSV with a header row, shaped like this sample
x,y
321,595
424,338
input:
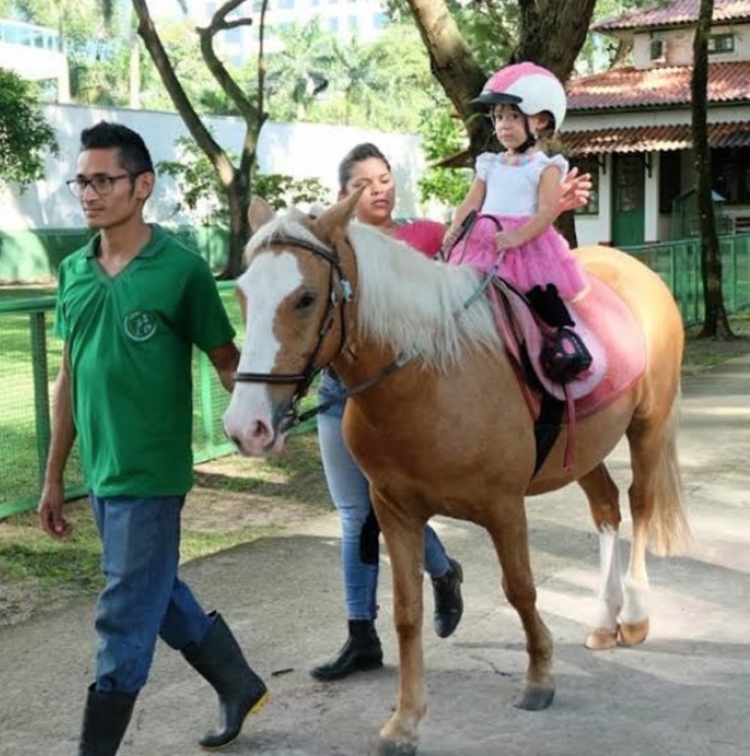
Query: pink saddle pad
x,y
609,330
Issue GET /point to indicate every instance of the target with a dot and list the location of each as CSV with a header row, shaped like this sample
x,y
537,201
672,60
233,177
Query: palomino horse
x,y
437,420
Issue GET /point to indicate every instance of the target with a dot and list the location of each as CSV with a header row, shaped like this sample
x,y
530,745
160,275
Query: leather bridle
x,y
337,281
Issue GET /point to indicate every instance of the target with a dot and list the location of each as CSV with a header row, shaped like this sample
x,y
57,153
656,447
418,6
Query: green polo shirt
x,y
129,339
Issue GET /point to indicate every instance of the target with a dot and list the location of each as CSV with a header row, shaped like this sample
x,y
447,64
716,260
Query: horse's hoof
x,y
391,748
536,698
601,638
635,633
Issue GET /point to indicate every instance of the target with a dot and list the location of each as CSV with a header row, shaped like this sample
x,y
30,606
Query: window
x,y
657,49
589,164
379,20
352,23
730,172
721,43
288,4
333,24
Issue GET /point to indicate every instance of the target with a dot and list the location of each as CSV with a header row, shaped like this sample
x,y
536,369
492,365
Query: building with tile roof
x,y
631,126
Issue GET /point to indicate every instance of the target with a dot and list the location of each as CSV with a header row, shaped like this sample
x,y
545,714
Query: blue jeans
x,y
350,493
143,598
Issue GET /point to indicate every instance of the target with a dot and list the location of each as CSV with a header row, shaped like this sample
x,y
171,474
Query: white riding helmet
x,y
531,88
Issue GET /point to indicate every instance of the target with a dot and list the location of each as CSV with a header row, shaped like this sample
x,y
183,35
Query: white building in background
x,y
35,53
362,20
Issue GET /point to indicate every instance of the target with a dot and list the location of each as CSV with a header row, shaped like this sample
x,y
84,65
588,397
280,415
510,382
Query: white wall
x,y
299,150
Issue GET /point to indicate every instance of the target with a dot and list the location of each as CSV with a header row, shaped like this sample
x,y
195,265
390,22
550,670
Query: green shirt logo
x,y
140,325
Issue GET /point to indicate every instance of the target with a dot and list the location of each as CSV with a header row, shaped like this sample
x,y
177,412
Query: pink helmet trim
x,y
506,77
532,88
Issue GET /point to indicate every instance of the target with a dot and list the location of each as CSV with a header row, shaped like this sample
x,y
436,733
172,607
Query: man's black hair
x,y
133,153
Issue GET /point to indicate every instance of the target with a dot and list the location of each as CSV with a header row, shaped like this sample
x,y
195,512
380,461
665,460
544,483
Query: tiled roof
x,y
654,87
652,138
677,13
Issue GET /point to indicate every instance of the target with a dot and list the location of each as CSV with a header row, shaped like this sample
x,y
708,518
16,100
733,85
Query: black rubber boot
x,y
105,720
449,604
361,652
219,659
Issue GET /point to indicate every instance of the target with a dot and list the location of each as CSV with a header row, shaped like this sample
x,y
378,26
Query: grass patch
x,y
235,501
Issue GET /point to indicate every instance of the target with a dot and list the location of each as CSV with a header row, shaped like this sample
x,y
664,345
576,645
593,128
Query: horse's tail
x,y
669,531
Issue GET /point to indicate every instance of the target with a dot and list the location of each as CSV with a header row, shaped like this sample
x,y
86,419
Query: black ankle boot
x,y
361,652
220,661
105,720
449,604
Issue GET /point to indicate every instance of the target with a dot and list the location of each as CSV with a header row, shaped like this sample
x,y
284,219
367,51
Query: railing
x,y
679,264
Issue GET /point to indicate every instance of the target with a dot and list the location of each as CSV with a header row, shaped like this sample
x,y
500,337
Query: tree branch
x,y
147,32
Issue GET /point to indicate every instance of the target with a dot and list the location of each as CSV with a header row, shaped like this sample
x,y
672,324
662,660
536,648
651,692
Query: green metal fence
x,y
679,265
30,358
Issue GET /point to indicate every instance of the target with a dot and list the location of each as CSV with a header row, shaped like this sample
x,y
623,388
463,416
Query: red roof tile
x,y
652,138
625,88
677,13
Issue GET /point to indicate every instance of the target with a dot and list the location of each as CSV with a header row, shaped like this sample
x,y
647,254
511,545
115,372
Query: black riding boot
x,y
564,355
105,720
449,604
361,652
219,659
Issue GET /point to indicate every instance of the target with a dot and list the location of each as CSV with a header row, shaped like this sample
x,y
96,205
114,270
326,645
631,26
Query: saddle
x,y
612,336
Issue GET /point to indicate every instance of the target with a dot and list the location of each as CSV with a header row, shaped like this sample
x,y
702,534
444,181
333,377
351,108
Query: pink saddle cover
x,y
609,330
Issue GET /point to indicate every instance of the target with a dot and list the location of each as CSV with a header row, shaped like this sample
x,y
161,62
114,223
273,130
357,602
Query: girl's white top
x,y
513,185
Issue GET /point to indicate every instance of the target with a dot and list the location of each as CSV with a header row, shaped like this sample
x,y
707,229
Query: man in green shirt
x,y
131,305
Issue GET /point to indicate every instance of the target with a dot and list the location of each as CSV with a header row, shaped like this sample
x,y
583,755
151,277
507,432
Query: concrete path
x,y
686,692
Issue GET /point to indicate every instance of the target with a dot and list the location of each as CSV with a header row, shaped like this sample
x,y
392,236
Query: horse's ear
x,y
259,213
335,220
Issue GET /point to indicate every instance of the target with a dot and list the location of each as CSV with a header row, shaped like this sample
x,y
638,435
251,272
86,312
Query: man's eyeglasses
x,y
101,183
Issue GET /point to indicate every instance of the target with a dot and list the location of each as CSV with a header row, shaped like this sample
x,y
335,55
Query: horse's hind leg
x,y
509,533
603,497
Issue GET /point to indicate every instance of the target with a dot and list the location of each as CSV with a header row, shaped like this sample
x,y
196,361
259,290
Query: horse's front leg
x,y
509,532
405,541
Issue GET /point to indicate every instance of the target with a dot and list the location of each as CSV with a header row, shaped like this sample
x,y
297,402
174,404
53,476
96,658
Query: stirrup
x,y
564,356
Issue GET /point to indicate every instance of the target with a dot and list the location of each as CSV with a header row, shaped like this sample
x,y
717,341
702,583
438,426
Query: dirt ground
x,y
685,692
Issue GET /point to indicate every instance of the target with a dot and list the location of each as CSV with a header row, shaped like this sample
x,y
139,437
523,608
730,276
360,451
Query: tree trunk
x,y
552,34
234,181
715,322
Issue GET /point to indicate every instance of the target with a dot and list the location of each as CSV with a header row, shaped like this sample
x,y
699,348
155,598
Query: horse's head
x,y
292,295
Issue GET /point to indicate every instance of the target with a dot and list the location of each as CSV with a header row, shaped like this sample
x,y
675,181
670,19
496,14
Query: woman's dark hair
x,y
133,153
356,155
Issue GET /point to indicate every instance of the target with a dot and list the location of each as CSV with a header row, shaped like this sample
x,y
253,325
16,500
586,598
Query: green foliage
x,y
284,191
442,136
204,199
25,135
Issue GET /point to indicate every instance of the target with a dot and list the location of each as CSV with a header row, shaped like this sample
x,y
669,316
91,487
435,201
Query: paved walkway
x,y
686,692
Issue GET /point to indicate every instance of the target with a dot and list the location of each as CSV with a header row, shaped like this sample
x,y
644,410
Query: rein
x,y
304,379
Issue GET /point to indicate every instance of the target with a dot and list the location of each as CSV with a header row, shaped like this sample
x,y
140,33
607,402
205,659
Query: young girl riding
x,y
516,193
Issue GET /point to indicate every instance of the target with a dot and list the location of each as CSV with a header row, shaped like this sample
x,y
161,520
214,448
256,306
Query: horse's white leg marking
x,y
269,279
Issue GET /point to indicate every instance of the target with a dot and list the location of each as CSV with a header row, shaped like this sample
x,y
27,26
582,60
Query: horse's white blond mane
x,y
406,301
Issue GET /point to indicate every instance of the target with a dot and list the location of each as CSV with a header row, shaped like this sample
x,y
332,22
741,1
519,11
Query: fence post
x,y
41,390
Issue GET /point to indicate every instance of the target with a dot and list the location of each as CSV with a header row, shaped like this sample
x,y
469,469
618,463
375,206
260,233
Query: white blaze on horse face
x,y
250,417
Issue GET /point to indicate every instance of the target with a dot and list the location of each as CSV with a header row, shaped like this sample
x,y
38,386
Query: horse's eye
x,y
304,301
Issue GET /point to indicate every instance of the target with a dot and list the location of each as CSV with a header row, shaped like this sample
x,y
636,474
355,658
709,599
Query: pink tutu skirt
x,y
544,260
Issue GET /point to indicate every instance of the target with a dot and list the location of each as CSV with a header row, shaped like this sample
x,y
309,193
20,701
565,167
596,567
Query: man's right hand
x,y
51,516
